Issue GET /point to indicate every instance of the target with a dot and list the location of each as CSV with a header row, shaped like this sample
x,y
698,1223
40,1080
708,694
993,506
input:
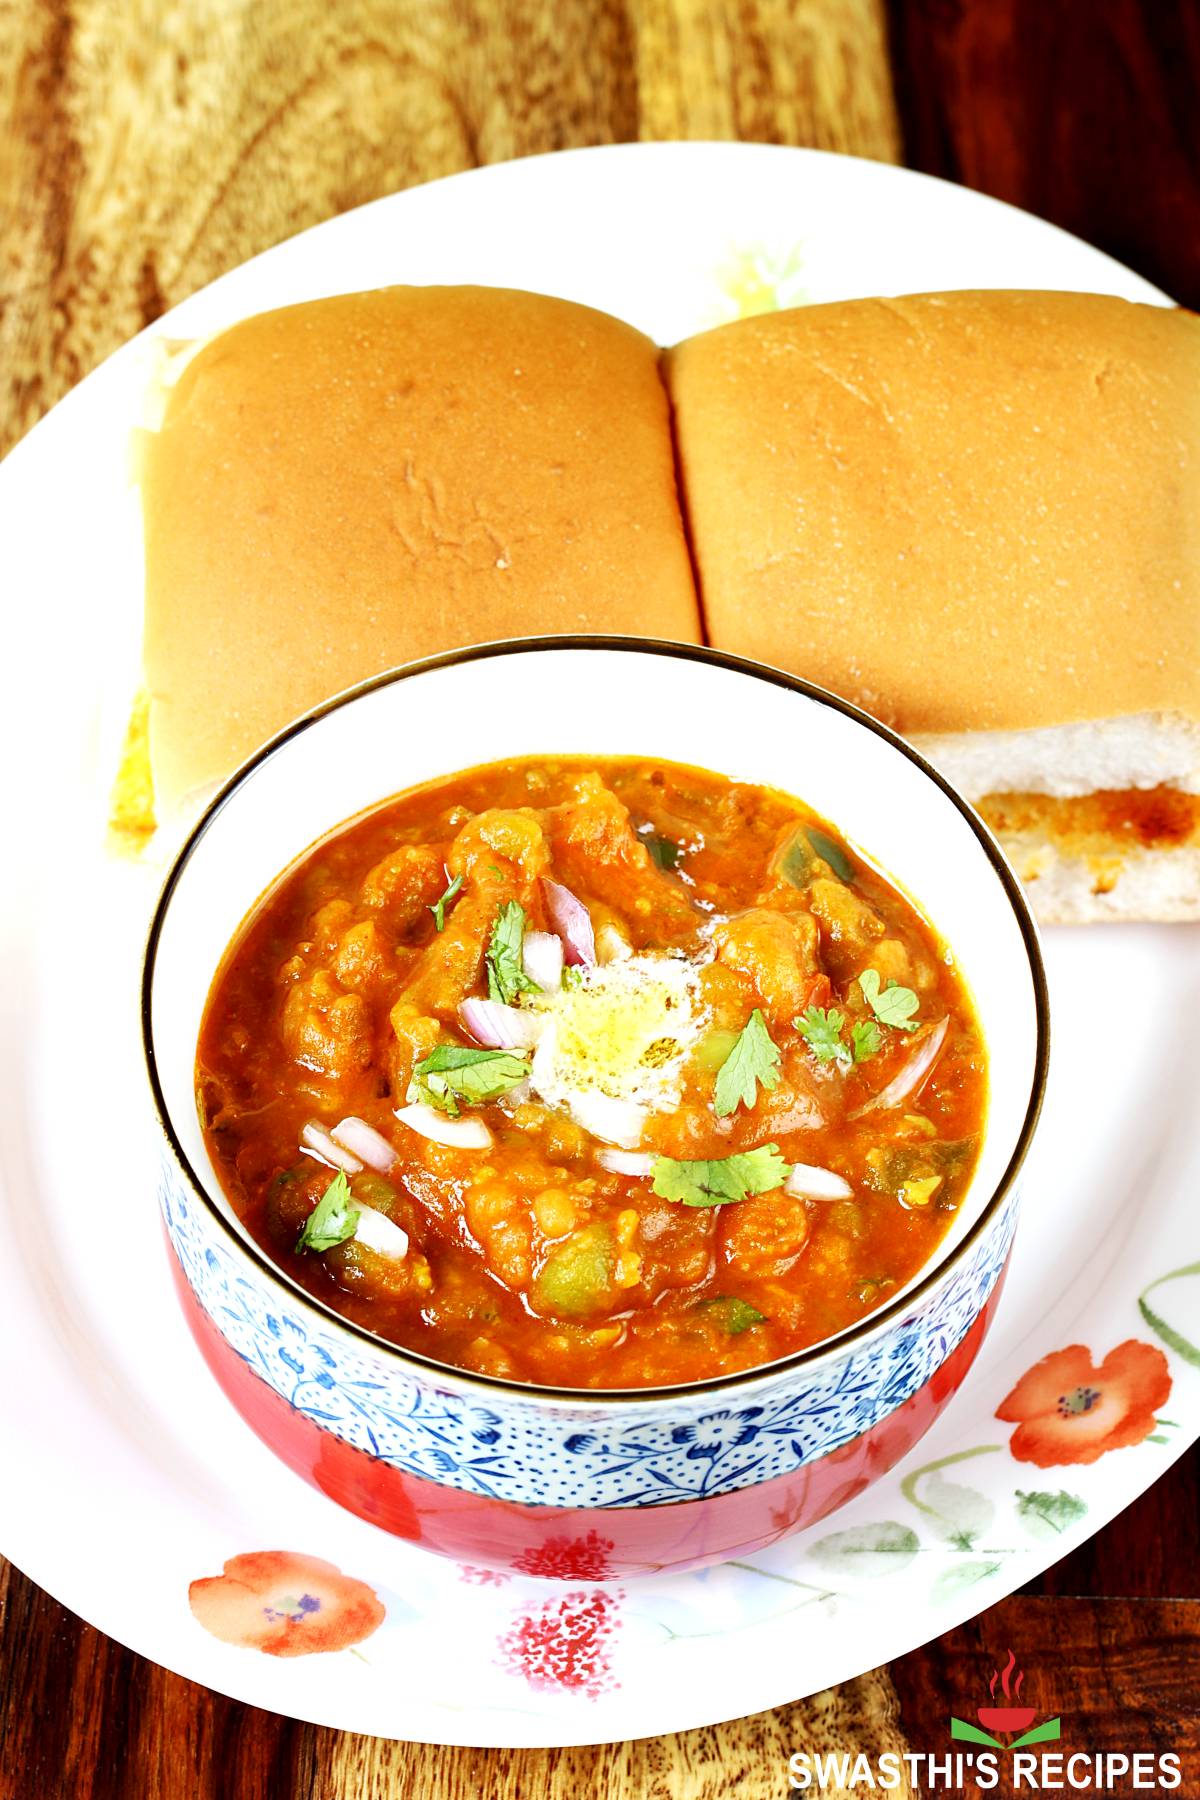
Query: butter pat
x,y
622,1030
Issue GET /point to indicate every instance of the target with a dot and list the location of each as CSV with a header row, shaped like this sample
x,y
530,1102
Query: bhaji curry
x,y
592,1074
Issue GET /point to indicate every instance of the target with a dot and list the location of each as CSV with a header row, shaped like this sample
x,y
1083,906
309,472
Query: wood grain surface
x,y
150,148
145,148
1083,111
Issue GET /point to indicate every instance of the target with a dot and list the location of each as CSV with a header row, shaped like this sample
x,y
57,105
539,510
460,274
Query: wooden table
x,y
144,149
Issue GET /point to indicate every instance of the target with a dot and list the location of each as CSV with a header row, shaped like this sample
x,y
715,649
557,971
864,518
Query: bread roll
x,y
978,516
349,484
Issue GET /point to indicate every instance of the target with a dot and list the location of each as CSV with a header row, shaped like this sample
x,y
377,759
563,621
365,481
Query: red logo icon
x,y
1012,1720
1008,1717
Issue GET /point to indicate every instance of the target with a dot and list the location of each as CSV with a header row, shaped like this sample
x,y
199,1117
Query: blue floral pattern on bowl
x,y
645,1452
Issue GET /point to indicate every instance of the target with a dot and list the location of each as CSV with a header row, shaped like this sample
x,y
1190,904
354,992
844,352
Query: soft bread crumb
x,y
1140,750
1067,887
1132,854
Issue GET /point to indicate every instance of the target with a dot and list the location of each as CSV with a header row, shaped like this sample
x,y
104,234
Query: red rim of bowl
x,y
938,1269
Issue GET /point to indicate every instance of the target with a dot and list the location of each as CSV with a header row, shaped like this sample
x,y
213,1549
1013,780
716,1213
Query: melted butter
x,y
623,1029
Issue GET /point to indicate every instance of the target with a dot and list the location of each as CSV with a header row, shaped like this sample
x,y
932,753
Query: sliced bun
x,y
1101,819
1109,855
966,511
1144,750
978,516
346,485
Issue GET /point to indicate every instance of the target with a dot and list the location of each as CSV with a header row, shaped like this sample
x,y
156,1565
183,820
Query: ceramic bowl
x,y
589,1484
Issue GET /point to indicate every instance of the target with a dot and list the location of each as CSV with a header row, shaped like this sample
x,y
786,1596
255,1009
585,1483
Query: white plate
x,y
127,1475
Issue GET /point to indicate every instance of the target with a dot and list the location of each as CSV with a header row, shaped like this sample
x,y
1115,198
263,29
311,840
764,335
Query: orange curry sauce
x,y
529,1259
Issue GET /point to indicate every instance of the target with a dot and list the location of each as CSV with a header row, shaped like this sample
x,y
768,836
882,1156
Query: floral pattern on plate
x,y
285,1604
1067,1410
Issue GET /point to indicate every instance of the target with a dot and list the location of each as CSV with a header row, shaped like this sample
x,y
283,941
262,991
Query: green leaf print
x,y
959,1515
1174,1340
868,1550
1045,1515
962,1575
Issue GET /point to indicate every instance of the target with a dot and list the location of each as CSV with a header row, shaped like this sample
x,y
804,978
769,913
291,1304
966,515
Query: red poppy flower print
x,y
285,1604
1067,1410
563,1646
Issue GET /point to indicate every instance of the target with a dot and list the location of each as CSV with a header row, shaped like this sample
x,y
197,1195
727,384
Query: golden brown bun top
x,y
963,511
349,484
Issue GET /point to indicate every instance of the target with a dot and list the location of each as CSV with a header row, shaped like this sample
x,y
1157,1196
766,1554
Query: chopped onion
x,y
572,921
637,1163
428,1122
810,1183
316,1142
364,1141
501,1027
612,1121
542,959
912,1073
516,1096
379,1233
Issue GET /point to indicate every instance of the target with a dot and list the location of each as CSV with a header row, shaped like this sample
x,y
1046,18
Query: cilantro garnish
x,y
438,909
452,1072
332,1220
506,976
893,1004
714,1183
866,1039
754,1058
821,1029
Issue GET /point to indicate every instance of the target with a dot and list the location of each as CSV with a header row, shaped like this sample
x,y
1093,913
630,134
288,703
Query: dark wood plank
x,y
1151,1550
1121,1673
1083,111
80,1716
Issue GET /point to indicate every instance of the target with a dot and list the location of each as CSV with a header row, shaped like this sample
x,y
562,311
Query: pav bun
x,y
352,483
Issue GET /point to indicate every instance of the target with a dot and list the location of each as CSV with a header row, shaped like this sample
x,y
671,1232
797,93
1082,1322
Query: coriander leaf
x,y
452,1072
865,1039
332,1220
438,909
733,1313
506,976
893,1004
821,1030
714,1183
832,853
753,1058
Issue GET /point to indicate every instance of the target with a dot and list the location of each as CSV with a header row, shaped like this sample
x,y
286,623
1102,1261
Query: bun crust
x,y
346,485
966,511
